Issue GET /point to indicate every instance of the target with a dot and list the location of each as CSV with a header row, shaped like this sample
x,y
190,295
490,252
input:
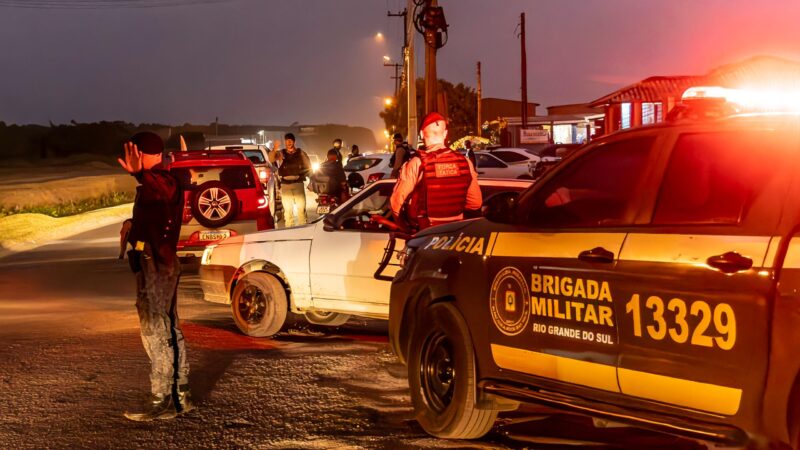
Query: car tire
x,y
441,375
214,204
259,305
355,180
327,318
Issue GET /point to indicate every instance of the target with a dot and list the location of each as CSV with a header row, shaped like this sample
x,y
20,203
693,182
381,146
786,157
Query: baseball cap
x,y
148,142
430,118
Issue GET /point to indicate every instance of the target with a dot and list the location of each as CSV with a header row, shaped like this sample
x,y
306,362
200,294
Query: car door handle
x,y
597,255
730,262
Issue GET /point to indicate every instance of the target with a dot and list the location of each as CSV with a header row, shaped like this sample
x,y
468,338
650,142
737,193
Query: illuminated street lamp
x,y
388,101
379,36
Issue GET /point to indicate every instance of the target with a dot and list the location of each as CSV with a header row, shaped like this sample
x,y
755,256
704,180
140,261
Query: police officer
x,y
293,170
402,153
438,184
154,231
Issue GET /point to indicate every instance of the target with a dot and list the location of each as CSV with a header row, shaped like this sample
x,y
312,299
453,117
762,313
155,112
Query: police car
x,y
650,279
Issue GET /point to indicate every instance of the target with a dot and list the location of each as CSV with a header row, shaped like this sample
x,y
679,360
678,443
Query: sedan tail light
x,y
375,177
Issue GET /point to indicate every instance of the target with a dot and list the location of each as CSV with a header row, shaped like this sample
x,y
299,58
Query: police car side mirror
x,y
500,207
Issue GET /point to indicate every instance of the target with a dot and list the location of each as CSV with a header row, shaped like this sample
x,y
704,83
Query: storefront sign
x,y
533,136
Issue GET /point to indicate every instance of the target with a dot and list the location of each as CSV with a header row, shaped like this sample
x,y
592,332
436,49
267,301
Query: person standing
x,y
294,167
157,213
402,153
353,152
437,185
470,153
337,147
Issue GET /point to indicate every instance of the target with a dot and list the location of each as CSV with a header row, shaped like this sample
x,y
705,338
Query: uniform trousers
x,y
156,303
293,196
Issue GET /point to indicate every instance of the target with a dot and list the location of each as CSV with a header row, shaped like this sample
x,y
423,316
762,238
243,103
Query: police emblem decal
x,y
510,301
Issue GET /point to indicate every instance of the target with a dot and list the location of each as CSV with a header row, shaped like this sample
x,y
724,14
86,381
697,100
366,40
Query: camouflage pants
x,y
156,302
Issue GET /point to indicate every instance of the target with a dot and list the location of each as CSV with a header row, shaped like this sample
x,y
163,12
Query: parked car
x,y
365,169
223,197
323,270
549,157
267,171
503,164
652,279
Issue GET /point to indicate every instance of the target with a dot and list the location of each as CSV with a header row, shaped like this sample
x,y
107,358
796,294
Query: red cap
x,y
430,118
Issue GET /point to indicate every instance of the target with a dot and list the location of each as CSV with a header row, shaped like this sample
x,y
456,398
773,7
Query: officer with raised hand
x,y
153,235
437,185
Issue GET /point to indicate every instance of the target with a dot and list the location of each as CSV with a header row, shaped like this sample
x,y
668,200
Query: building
x,y
563,124
648,101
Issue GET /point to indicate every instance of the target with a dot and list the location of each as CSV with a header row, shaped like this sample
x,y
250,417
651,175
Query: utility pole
x,y
478,129
432,24
396,77
524,66
411,76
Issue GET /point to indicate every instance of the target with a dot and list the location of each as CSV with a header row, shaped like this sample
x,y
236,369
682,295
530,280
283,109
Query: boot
x,y
184,404
160,406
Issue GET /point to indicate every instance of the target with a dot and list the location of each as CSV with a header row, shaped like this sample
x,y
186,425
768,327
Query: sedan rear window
x,y
236,177
359,164
510,157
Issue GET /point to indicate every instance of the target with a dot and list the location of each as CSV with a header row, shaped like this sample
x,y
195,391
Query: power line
x,y
102,4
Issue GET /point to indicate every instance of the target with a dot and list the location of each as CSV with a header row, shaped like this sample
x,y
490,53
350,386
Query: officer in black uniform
x,y
154,233
337,147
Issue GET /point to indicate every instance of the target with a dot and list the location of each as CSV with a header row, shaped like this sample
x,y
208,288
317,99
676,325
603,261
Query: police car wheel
x,y
441,375
214,204
259,305
327,318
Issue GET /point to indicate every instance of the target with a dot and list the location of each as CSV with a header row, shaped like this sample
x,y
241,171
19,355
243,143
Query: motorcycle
x,y
326,203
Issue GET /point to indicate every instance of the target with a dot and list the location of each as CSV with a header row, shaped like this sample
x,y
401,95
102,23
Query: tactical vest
x,y
443,190
292,165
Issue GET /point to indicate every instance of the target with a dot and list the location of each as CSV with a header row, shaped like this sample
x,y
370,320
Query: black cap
x,y
289,136
337,141
148,142
398,137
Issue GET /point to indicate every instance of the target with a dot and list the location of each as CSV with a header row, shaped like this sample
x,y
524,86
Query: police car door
x,y
553,275
693,311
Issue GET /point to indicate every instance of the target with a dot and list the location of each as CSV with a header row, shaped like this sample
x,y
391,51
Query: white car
x,y
365,169
505,163
323,269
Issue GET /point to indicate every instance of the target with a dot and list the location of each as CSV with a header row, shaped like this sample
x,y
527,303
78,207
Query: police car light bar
x,y
748,100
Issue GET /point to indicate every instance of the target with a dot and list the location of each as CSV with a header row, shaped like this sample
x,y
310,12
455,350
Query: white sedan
x,y
505,163
323,270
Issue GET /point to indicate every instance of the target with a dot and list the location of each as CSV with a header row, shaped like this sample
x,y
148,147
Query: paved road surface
x,y
72,362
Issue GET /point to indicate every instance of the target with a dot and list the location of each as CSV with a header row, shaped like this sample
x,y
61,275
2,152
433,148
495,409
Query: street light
x,y
379,36
388,101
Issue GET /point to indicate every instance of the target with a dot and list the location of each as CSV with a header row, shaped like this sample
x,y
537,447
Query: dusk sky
x,y
276,62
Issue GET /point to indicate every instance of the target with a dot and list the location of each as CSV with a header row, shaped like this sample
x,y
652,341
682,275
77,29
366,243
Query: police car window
x,y
712,178
596,190
488,162
509,157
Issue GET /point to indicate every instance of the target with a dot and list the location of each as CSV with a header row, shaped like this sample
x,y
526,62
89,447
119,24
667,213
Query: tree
x,y
461,101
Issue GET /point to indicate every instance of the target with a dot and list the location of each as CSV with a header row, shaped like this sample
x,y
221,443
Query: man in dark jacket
x,y
402,153
330,179
294,167
153,235
337,147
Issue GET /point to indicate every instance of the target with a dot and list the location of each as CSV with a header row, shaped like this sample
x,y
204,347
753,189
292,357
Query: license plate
x,y
323,209
214,235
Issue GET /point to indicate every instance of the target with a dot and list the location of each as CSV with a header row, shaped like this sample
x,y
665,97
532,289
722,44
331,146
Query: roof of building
x,y
653,89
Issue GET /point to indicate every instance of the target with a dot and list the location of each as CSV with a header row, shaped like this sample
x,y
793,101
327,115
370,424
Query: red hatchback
x,y
223,197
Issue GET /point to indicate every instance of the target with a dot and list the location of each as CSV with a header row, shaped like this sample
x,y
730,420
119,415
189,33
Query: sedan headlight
x,y
206,259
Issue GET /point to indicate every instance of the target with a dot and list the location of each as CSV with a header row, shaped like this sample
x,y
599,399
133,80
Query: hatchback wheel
x,y
327,318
